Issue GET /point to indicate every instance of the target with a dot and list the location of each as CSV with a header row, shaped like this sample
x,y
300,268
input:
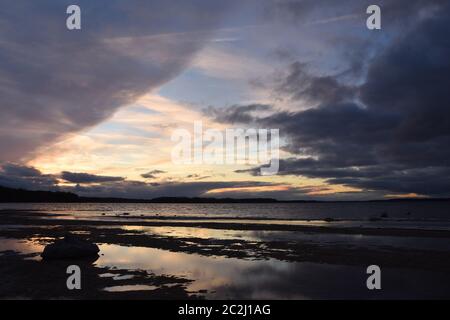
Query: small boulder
x,y
71,247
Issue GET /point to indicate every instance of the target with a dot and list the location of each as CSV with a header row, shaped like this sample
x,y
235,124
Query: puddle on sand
x,y
21,246
137,287
188,232
231,278
117,277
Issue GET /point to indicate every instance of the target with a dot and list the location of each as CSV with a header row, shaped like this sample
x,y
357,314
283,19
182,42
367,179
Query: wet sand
x,y
29,277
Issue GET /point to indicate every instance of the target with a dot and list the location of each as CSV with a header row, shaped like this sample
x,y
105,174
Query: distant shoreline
x,y
10,195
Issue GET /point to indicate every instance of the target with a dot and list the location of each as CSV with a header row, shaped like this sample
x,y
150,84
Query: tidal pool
x,y
231,278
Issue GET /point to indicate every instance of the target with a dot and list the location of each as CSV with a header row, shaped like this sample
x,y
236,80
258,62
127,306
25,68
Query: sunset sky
x,y
362,114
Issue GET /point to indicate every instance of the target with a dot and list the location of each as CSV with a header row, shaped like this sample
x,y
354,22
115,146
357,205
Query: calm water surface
x,y
220,277
439,210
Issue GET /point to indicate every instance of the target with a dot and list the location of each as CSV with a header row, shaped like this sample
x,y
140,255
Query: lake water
x,y
436,210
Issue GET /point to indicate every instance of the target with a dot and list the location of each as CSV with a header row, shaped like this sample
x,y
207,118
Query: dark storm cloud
x,y
54,81
85,178
412,79
12,169
298,84
25,177
142,190
348,41
387,178
197,177
152,174
426,181
395,137
236,113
